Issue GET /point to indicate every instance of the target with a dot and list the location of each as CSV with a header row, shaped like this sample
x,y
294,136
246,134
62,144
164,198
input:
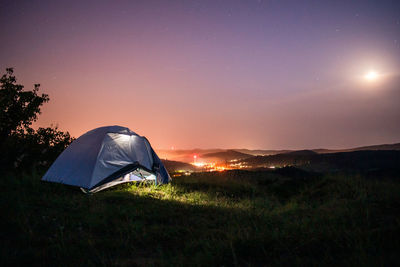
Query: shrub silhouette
x,y
23,147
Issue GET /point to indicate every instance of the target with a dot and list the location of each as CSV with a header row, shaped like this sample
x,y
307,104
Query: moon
x,y
371,75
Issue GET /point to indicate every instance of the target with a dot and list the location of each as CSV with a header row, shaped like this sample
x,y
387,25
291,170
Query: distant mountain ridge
x,y
395,146
260,152
351,160
229,154
226,155
301,152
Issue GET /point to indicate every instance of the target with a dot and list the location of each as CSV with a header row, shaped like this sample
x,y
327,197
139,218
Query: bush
x,y
22,147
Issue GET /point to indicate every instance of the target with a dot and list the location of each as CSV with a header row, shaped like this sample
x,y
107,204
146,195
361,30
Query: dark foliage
x,y
22,147
18,108
35,149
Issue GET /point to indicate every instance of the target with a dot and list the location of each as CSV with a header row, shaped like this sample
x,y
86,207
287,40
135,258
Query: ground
x,y
233,218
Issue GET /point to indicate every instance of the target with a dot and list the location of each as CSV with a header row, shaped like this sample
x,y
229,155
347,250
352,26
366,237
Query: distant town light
x,y
199,164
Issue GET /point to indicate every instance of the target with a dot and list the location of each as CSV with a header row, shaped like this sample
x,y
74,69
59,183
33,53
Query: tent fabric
x,y
107,156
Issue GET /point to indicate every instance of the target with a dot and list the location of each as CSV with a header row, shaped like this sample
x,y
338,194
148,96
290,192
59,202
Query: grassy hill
x,y
235,218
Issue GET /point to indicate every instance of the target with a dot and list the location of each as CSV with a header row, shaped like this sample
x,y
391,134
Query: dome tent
x,y
107,156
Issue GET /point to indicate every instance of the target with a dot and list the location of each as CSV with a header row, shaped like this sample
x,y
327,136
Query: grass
x,y
233,218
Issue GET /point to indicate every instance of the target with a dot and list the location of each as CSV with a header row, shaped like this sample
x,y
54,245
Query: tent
x,y
107,156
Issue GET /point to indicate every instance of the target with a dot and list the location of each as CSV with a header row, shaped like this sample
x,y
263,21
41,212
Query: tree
x,y
18,108
21,146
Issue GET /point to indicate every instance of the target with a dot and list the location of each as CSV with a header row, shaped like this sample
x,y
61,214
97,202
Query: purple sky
x,y
227,74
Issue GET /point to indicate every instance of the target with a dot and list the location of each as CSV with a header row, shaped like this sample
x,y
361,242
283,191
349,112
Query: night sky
x,y
208,74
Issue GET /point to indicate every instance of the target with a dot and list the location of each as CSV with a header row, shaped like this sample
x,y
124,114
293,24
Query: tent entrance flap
x,y
136,175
